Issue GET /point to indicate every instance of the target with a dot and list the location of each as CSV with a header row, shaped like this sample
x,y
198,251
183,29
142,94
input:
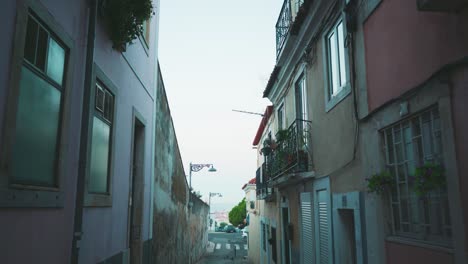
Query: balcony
x,y
282,26
263,191
291,153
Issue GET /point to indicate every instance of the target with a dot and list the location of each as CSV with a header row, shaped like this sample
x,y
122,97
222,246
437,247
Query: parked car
x,y
245,233
230,229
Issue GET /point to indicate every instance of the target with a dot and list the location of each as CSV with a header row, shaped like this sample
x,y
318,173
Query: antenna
x,y
246,112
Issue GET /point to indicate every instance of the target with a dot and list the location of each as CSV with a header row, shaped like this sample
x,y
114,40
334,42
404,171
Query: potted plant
x,y
282,135
124,20
380,183
268,146
427,178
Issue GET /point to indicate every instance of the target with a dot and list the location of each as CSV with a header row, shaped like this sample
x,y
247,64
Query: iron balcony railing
x,y
263,191
283,25
291,152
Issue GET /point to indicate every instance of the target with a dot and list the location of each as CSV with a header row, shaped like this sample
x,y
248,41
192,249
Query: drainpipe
x,y
88,82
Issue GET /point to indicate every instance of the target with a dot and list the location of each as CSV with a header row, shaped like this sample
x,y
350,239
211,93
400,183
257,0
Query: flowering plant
x,y
380,182
428,178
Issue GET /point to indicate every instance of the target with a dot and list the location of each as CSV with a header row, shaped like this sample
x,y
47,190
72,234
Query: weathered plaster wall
x,y
179,233
404,254
333,132
404,47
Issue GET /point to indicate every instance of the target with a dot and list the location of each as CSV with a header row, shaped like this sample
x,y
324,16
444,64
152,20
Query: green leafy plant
x,y
282,135
268,146
238,213
428,178
124,20
380,182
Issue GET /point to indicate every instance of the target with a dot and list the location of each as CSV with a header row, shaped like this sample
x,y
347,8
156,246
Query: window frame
x,y
301,77
345,90
281,122
423,237
145,36
92,199
24,195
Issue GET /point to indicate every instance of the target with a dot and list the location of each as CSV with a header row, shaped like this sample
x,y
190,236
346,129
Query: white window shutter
x,y
307,228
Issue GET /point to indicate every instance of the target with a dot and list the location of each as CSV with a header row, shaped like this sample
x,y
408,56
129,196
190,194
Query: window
x,y
35,148
101,140
336,59
264,236
408,145
281,117
146,32
301,99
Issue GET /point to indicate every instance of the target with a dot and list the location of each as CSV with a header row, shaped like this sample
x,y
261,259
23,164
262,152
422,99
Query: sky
x,y
216,56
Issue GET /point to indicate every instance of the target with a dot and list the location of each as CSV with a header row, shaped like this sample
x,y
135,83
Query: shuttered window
x,y
307,234
323,233
322,212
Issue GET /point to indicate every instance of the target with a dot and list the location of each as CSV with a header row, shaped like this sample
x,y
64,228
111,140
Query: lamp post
x,y
196,168
209,206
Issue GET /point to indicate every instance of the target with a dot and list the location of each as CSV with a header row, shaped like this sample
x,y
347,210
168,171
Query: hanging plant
x,y
124,20
282,135
380,183
428,178
268,146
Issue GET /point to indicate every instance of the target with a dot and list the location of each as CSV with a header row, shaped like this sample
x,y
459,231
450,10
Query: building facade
x,y
82,119
363,91
252,221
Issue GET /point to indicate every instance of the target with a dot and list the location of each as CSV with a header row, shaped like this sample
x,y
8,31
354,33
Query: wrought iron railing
x,y
262,178
291,153
283,25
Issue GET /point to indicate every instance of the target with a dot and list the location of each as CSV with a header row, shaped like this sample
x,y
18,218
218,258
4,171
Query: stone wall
x,y
179,232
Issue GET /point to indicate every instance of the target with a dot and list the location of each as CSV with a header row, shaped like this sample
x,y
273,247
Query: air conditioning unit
x,y
441,5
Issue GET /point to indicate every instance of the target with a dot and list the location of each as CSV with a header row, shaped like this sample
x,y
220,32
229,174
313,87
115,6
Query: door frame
x,y
285,204
350,201
136,187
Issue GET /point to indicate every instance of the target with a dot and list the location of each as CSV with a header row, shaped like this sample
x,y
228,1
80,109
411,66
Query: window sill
x,y
14,198
419,243
335,100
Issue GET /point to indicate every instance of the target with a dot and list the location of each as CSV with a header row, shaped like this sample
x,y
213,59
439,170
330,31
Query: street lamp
x,y
198,167
209,206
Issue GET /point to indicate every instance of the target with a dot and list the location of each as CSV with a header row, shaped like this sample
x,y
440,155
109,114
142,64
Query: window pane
x,y
99,157
41,49
108,106
31,40
341,49
55,61
37,122
333,64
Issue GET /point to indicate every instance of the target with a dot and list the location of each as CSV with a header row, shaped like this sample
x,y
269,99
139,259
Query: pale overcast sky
x,y
216,56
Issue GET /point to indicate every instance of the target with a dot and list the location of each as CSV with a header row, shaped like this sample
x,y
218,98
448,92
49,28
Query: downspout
x,y
82,166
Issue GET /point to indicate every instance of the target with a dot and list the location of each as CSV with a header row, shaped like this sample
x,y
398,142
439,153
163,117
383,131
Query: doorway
x,y
347,251
135,205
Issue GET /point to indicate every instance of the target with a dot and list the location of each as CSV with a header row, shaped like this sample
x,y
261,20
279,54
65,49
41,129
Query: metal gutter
x,y
82,165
